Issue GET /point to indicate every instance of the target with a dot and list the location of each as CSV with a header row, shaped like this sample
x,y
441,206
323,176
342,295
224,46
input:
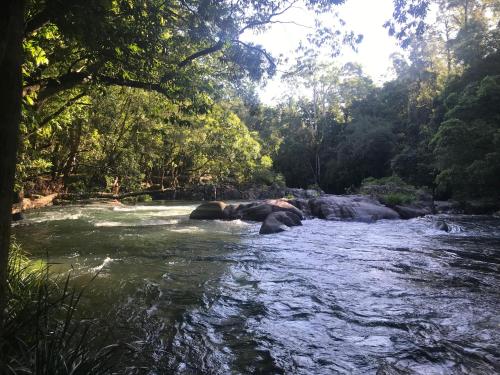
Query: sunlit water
x,y
214,297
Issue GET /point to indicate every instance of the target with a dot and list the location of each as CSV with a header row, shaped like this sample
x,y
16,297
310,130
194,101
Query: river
x,y
214,297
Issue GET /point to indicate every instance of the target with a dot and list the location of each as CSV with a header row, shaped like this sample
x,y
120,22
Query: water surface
x,y
214,297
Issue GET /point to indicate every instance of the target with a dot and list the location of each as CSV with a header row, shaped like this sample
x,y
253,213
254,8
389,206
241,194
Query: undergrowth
x,y
42,331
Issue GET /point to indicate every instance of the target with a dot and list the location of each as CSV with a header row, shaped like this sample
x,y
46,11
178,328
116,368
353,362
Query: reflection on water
x,y
394,297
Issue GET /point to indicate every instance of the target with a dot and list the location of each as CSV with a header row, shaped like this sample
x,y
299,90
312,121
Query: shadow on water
x,y
394,297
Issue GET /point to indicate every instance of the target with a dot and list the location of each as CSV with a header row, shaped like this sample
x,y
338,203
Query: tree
x,y
11,59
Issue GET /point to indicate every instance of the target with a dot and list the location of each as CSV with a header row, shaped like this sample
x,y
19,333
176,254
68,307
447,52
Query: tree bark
x,y
10,115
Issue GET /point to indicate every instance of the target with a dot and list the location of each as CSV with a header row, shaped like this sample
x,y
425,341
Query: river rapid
x,y
330,297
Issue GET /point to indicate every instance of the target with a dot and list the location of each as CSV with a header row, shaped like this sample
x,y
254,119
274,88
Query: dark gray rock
x,y
410,212
209,211
284,205
302,205
277,222
231,212
18,216
442,225
256,213
259,212
350,207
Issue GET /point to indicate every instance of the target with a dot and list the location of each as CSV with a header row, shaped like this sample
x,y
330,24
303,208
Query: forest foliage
x,y
136,95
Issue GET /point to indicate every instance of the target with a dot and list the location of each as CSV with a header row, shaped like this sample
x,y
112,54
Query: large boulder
x,y
278,221
283,205
231,212
302,205
260,211
209,211
350,207
257,212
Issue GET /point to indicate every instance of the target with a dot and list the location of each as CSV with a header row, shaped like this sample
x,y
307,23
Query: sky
x,y
364,17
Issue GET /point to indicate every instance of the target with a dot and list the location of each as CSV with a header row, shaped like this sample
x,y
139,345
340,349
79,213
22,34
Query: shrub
x,y
392,190
42,333
395,199
144,198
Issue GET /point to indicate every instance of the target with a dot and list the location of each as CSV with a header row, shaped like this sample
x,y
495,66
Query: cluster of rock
x,y
279,214
276,214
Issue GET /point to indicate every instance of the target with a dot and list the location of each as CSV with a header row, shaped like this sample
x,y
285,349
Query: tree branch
x,y
268,57
51,86
268,19
61,109
134,84
207,51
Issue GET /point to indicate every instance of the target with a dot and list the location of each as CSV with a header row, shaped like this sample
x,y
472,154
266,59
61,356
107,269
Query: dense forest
x,y
88,125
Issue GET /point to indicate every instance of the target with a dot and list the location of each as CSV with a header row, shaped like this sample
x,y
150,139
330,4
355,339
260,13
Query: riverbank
x,y
422,204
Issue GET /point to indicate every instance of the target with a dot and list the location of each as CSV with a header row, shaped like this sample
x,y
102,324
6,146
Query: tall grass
x,y
42,332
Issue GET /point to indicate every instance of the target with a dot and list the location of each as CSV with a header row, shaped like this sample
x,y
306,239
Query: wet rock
x,y
442,225
350,207
277,222
410,212
256,213
302,205
449,207
209,211
259,212
284,205
17,216
231,212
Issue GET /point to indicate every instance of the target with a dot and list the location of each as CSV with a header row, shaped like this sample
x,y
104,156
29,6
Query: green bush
x,y
392,190
144,198
395,199
42,333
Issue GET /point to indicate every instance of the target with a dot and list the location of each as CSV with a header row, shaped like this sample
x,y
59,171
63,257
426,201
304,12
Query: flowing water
x,y
214,297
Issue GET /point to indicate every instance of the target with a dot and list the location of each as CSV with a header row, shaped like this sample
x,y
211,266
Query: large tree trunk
x,y
11,58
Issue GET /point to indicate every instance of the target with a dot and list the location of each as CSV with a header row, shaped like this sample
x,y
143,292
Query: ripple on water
x,y
393,297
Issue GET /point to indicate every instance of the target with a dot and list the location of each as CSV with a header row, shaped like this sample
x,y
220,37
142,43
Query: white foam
x,y
152,310
109,224
188,230
106,261
153,208
158,222
56,217
143,223
234,223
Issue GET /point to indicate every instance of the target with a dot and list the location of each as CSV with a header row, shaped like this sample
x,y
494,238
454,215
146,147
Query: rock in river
x,y
209,211
259,212
442,225
279,221
410,212
350,207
